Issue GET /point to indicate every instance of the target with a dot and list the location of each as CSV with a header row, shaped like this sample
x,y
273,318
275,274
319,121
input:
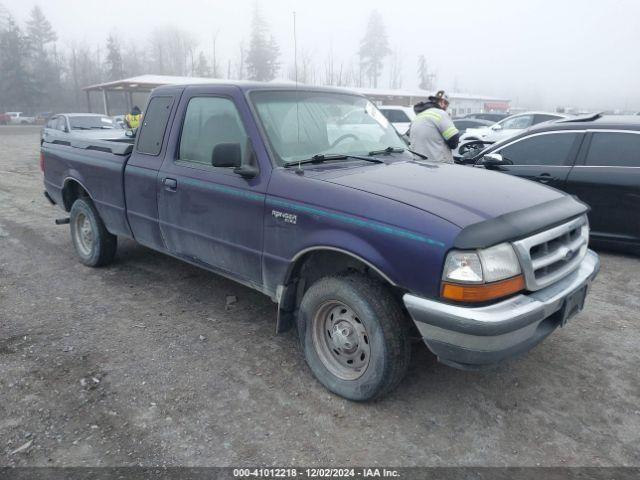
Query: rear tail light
x,y
41,161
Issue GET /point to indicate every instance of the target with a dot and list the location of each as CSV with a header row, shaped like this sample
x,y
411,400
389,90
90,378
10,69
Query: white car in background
x,y
19,118
399,116
510,126
505,128
91,126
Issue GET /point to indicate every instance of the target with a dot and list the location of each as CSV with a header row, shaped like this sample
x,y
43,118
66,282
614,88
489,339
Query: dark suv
x,y
596,158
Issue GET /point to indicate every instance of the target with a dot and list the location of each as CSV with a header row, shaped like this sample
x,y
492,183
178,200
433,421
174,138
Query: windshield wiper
x,y
80,128
321,157
418,154
387,151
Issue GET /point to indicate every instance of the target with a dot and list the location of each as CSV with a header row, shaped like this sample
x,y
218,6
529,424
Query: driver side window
x,y
61,124
209,122
548,149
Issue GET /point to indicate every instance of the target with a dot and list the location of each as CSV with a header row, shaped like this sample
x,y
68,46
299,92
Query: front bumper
x,y
474,337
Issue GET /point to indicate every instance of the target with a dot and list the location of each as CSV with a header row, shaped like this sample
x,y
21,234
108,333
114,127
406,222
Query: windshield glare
x,y
81,123
302,124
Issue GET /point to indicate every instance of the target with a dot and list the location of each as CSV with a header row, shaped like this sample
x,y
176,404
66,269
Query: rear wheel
x,y
93,243
354,336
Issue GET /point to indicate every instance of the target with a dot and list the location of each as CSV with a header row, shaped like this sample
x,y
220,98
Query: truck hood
x,y
461,195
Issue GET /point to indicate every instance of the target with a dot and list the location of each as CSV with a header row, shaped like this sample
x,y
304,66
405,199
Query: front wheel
x,y
354,336
93,243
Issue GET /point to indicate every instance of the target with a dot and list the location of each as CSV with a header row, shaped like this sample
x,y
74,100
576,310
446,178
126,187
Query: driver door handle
x,y
170,184
544,178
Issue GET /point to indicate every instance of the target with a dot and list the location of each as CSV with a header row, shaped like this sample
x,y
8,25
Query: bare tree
x,y
395,70
240,65
306,69
426,79
172,51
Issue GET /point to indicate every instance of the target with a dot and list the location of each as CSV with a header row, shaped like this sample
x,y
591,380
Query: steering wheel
x,y
343,138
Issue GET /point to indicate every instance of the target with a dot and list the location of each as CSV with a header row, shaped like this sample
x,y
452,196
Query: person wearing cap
x,y
133,119
432,132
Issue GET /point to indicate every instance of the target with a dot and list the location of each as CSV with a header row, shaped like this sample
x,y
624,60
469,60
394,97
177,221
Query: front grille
x,y
550,255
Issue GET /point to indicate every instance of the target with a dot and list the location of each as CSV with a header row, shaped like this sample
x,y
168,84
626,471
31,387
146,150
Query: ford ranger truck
x,y
310,196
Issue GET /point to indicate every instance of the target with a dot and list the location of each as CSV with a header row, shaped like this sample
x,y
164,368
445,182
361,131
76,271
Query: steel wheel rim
x,y
84,234
341,340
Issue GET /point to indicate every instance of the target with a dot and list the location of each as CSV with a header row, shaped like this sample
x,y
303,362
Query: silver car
x,y
81,125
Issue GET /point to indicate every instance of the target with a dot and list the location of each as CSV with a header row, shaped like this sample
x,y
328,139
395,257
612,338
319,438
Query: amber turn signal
x,y
482,292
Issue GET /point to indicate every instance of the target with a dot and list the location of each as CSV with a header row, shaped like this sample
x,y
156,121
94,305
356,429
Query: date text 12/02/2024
x,y
316,472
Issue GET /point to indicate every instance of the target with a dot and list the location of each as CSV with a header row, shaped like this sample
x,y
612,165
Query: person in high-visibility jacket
x,y
133,119
432,132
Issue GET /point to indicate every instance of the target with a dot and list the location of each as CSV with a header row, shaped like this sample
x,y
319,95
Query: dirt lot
x,y
143,363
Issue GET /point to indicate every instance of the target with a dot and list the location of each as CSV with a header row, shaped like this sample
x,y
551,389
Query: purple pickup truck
x,y
310,196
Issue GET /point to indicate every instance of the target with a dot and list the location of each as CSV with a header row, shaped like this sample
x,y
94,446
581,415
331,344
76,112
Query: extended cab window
x,y
154,123
612,149
548,149
209,122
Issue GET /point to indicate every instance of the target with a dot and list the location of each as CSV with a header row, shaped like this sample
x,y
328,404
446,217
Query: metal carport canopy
x,y
140,84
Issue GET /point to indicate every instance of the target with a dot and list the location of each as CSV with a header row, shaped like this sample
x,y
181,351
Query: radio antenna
x,y
295,76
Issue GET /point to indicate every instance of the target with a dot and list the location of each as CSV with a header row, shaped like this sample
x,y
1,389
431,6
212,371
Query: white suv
x,y
399,116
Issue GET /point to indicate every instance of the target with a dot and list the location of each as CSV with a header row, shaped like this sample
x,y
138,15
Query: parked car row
x,y
596,158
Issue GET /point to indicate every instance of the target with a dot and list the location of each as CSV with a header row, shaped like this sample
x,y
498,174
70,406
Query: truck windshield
x,y
302,124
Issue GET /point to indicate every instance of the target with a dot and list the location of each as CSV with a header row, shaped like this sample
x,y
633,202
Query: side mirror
x,y
493,160
496,127
227,155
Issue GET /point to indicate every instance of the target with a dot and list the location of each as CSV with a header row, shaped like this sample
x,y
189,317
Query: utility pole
x,y
214,65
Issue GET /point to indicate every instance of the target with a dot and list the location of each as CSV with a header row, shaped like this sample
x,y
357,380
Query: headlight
x,y
481,275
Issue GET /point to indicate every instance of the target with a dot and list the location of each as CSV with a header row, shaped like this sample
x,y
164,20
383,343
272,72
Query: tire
x,y
354,318
94,245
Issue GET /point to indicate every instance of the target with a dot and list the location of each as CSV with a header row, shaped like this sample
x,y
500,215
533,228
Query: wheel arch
x,y
72,189
311,264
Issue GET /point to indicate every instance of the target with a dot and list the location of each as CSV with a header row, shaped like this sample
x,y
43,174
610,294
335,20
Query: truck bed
x,y
98,167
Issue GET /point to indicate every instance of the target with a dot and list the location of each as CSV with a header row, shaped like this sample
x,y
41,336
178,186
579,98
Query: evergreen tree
x,y
39,31
374,47
43,63
202,66
5,16
16,82
262,58
113,64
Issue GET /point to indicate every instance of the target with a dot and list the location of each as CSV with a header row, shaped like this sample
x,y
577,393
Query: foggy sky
x,y
537,53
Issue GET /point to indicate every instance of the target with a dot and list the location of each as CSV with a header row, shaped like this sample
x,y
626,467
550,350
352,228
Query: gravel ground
x,y
143,363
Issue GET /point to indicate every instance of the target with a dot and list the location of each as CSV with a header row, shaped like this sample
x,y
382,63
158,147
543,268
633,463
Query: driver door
x,y
542,157
209,214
